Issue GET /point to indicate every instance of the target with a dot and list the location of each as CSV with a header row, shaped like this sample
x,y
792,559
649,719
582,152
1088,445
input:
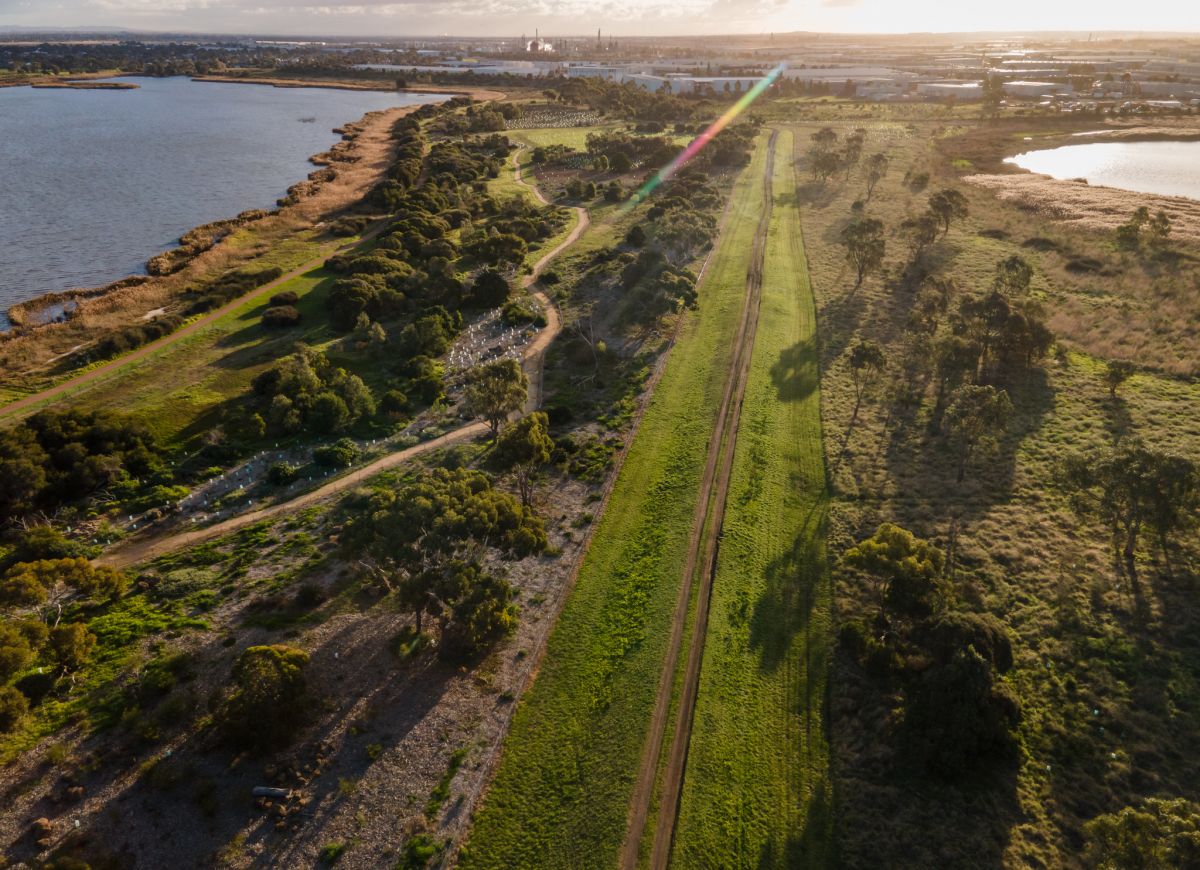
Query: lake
x,y
95,182
1166,168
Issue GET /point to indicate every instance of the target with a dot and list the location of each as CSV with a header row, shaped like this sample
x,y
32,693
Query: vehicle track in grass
x,y
700,564
142,548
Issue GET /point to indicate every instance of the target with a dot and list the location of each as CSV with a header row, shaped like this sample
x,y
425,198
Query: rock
x,y
266,791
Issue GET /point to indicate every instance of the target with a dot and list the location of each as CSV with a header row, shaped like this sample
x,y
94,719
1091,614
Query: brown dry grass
x,y
1088,207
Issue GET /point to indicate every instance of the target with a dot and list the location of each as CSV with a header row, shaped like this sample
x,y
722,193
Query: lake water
x,y
95,182
1166,168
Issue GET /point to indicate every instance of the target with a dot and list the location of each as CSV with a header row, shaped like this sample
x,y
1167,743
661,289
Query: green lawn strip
x,y
561,795
175,386
572,137
287,255
646,843
758,761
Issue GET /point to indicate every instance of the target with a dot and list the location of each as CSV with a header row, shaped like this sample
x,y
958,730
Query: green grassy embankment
x,y
756,790
561,795
176,388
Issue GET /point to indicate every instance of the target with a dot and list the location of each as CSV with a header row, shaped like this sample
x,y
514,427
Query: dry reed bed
x,y
1090,207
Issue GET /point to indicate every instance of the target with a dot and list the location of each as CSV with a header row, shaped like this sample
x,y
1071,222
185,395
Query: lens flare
x,y
703,139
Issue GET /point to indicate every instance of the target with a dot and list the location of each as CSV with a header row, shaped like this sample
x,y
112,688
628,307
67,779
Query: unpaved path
x,y
702,555
140,549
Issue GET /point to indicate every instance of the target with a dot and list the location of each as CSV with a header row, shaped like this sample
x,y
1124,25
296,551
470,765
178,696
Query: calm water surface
x,y
1166,168
97,182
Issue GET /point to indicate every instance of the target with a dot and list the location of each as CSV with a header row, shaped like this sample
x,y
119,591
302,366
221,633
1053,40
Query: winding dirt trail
x,y
138,549
701,564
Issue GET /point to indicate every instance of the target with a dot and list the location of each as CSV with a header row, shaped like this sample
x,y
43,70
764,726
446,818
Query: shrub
x,y
394,403
341,454
281,474
269,699
72,645
490,289
281,316
331,853
13,708
287,297
1158,833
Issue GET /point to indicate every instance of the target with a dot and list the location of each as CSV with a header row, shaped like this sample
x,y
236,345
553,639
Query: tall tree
x,y
948,205
905,569
867,362
1129,488
1013,276
1117,372
495,390
865,247
876,170
975,420
521,448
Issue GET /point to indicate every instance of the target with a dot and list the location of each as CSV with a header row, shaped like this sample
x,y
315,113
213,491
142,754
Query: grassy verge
x,y
174,388
562,791
756,789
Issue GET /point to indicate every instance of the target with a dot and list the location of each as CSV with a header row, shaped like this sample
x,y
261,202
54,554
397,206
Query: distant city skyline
x,y
400,18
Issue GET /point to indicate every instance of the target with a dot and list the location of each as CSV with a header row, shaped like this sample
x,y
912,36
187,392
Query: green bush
x,y
281,474
13,707
341,454
269,700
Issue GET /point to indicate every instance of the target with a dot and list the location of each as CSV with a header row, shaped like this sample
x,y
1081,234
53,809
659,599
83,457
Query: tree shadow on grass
x,y
816,194
785,607
1117,419
813,845
919,460
795,374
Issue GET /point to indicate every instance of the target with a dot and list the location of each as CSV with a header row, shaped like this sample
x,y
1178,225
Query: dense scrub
x,y
56,458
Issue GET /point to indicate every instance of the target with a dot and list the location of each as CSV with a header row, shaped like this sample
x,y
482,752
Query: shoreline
x,y
480,94
306,213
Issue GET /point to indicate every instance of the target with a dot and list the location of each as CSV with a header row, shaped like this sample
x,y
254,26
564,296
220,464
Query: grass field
x,y
756,792
561,794
1108,685
173,389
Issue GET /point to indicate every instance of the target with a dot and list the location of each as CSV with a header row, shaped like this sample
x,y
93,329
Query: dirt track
x,y
702,555
140,549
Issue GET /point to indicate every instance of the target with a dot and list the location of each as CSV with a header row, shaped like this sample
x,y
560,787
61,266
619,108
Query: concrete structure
x,y
1031,90
958,90
1181,68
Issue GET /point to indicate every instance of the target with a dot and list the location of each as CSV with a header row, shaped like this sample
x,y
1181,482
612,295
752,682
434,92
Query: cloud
x,y
500,10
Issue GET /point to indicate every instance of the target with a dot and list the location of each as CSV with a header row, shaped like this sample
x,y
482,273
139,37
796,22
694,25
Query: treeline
x,y
447,245
156,59
55,458
649,267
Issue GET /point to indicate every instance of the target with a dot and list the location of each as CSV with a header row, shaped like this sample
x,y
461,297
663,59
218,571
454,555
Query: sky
x,y
385,18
